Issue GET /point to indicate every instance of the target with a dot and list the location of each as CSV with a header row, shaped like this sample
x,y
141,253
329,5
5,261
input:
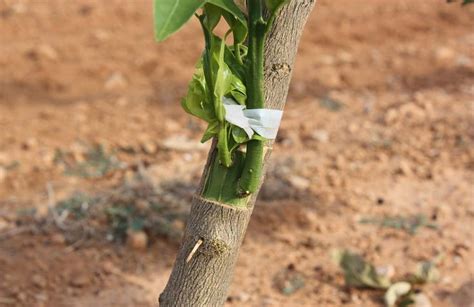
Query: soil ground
x,y
378,124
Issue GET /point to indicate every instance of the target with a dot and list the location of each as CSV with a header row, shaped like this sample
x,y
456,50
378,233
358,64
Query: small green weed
x,y
77,205
134,206
97,163
330,104
410,224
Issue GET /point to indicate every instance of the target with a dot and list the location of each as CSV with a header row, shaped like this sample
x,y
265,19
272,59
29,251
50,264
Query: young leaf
x,y
211,131
238,90
223,81
234,65
196,102
239,28
239,135
171,15
234,17
212,17
230,7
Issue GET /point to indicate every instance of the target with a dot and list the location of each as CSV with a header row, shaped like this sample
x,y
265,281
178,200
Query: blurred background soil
x,y
98,162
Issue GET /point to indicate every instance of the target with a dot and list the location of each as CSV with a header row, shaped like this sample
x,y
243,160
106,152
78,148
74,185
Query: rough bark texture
x,y
205,279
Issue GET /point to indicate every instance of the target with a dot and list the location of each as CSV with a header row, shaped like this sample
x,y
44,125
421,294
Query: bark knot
x,y
214,248
280,70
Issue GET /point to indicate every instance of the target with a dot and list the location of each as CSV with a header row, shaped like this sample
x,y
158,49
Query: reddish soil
x,y
378,123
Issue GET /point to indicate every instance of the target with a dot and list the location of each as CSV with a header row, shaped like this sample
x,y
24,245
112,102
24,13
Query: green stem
x,y
221,181
238,53
207,59
255,56
252,171
223,146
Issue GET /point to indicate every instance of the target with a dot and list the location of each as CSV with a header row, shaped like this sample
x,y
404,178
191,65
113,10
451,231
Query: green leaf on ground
x,y
395,292
358,272
288,280
427,272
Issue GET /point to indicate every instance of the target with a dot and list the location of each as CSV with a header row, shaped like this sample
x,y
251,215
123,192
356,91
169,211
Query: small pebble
x,y
137,240
39,281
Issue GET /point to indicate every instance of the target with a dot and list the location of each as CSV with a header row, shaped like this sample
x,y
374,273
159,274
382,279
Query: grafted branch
x,y
204,278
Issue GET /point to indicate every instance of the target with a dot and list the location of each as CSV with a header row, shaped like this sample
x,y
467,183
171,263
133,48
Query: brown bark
x,y
203,277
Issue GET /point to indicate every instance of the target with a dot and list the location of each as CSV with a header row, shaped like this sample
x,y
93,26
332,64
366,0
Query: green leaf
x,y
396,291
212,16
227,83
238,90
239,28
358,272
427,272
211,131
219,73
234,65
234,16
223,82
258,138
196,102
239,135
228,6
171,15
230,60
228,73
231,7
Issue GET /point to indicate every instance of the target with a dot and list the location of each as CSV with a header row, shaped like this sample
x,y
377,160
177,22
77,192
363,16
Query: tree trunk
x,y
204,267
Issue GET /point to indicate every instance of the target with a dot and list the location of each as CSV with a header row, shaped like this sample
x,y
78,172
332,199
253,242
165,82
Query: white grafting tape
x,y
265,122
